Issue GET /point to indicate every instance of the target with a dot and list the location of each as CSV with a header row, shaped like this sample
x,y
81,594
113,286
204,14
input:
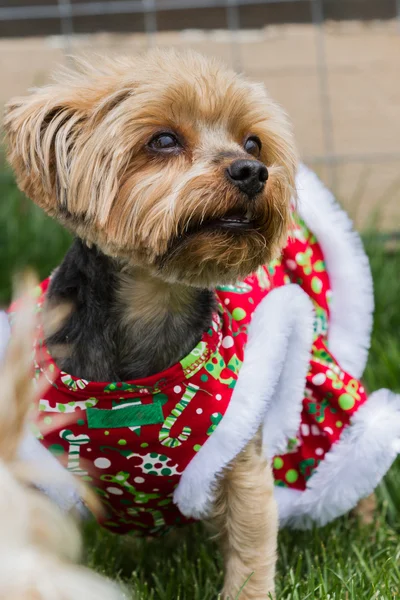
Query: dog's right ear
x,y
41,132
60,142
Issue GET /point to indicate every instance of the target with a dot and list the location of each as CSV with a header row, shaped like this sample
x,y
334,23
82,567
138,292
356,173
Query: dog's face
x,y
168,161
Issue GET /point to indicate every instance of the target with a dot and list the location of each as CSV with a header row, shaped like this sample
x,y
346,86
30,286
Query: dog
x,y
40,545
146,174
178,176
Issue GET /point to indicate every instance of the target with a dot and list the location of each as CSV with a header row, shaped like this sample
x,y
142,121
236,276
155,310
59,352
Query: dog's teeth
x,y
236,219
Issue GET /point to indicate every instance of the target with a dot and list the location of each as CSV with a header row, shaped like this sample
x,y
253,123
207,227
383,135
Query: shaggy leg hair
x,y
245,515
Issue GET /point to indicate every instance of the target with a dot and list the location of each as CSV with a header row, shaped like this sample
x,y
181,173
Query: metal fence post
x,y
67,24
150,21
325,100
233,21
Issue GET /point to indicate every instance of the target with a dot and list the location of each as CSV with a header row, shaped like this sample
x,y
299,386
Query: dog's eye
x,y
164,142
253,146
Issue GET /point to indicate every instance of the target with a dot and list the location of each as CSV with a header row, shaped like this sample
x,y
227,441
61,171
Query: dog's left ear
x,y
59,145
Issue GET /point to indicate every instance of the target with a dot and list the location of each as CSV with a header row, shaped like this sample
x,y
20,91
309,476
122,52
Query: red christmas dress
x,y
152,448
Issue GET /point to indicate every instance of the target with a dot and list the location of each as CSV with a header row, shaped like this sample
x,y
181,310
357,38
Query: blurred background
x,y
333,64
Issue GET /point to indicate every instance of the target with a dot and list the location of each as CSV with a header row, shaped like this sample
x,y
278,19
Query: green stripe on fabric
x,y
130,416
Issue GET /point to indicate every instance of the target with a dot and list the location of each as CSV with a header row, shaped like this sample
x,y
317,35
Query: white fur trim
x,y
64,492
349,271
276,324
286,499
282,420
31,450
4,334
352,468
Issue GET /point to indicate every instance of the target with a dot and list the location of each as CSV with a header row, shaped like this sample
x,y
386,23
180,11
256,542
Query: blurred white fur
x,y
39,544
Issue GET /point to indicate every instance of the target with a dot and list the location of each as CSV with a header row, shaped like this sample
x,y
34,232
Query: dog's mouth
x,y
234,221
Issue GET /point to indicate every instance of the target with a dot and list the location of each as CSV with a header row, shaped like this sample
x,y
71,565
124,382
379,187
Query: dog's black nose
x,y
249,175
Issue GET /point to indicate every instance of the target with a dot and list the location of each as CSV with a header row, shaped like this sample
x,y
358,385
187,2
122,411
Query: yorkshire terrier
x,y
175,175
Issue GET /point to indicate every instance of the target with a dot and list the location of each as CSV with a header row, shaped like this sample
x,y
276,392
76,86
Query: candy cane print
x,y
164,437
157,515
73,384
159,520
75,442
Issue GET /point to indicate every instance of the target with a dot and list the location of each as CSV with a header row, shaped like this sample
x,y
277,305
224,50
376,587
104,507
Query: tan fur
x,y
149,299
245,515
78,148
365,510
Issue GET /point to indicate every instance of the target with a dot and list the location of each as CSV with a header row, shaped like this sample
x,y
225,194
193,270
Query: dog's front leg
x,y
246,517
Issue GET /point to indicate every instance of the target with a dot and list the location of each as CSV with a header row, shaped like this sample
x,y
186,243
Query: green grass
x,y
341,561
27,236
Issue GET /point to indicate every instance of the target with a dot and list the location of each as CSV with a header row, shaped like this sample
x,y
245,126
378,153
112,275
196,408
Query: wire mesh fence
x,y
330,157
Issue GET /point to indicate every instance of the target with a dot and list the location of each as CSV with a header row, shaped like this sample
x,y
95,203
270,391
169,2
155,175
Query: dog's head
x,y
168,161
